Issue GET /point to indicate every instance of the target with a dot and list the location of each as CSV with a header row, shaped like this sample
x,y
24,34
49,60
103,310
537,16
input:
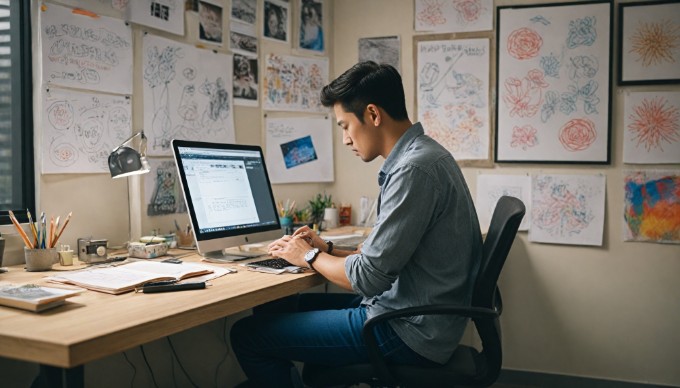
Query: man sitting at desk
x,y
424,249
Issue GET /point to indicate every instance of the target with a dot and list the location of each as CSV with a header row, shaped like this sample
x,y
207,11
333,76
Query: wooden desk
x,y
94,325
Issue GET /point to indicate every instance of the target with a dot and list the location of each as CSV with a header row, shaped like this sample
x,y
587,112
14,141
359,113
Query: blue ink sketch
x,y
298,151
540,19
551,66
581,32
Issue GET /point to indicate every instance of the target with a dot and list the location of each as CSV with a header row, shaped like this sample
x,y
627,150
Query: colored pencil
x,y
20,230
54,242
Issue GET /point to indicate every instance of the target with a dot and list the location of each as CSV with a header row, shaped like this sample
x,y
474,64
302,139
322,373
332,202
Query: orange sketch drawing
x,y
468,10
524,43
655,121
654,43
577,134
432,14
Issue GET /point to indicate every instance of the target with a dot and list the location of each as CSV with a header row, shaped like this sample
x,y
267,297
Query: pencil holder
x,y
40,259
185,240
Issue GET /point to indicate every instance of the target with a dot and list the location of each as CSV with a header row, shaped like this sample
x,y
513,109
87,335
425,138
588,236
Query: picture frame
x,y
553,88
649,43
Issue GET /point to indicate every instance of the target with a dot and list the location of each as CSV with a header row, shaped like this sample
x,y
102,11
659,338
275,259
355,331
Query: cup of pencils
x,y
40,251
40,259
286,213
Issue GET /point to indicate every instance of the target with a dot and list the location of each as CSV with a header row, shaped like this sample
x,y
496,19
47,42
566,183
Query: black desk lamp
x,y
129,158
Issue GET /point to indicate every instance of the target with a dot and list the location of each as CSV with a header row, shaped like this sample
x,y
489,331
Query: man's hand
x,y
291,248
311,237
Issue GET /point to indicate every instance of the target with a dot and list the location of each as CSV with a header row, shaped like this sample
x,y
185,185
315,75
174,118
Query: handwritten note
x,y
84,52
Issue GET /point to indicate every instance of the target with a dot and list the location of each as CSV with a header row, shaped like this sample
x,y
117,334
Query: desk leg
x,y
55,377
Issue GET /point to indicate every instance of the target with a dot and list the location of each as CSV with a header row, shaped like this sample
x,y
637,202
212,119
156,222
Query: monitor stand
x,y
230,256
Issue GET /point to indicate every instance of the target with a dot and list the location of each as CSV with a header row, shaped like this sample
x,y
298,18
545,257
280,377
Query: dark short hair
x,y
367,83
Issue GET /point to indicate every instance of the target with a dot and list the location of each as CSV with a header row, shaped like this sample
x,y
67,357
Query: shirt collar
x,y
398,151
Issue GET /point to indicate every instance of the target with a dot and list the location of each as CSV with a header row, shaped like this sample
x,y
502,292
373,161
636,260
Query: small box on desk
x,y
147,250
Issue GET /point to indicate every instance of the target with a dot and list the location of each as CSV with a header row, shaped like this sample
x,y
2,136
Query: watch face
x,y
311,254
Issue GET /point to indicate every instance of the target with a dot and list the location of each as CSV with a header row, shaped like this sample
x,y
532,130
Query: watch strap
x,y
330,246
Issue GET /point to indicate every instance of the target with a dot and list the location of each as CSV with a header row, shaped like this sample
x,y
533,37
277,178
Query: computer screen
x,y
228,195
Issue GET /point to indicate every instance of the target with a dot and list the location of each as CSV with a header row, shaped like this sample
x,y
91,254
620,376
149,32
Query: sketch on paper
x,y
299,149
210,22
244,11
651,127
162,188
294,83
82,52
453,15
553,83
80,130
188,94
245,80
386,49
452,97
567,209
650,42
166,15
490,188
652,206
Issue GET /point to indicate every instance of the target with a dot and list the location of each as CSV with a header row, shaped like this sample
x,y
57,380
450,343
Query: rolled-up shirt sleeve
x,y
407,203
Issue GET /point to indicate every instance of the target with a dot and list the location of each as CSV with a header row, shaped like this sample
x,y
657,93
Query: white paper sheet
x,y
294,83
166,15
453,15
651,127
162,189
490,188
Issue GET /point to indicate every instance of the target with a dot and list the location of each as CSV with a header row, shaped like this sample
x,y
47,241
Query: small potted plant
x,y
317,207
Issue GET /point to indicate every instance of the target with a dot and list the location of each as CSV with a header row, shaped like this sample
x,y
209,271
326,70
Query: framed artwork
x,y
649,43
452,95
553,83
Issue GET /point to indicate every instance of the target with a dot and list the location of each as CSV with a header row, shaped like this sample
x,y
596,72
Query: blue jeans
x,y
319,328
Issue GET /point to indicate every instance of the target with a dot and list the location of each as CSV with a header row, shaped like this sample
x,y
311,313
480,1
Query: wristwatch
x,y
330,246
311,255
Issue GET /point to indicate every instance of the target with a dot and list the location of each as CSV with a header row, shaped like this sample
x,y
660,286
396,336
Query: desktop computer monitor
x,y
228,196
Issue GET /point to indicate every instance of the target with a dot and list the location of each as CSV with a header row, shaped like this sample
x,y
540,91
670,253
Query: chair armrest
x,y
374,354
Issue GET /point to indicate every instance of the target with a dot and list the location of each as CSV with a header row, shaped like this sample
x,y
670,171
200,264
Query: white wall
x,y
609,312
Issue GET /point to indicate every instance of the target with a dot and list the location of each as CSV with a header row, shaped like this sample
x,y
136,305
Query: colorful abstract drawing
x,y
453,15
653,43
652,206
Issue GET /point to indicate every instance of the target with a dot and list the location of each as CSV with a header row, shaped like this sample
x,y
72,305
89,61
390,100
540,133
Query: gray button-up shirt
x,y
425,247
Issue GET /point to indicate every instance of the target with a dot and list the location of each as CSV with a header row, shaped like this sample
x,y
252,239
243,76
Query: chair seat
x,y
462,368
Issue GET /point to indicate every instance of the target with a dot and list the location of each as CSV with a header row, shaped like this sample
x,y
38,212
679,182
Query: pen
x,y
174,287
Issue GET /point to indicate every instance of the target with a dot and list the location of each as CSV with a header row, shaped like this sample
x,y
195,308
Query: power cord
x,y
226,353
146,361
180,363
134,369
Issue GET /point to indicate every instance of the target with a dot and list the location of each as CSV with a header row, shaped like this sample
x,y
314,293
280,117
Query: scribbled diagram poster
x,y
567,209
188,94
651,127
652,206
162,188
553,83
80,130
453,15
491,187
294,83
453,95
80,51
299,149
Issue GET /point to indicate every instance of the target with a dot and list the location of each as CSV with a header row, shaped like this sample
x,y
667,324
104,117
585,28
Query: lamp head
x,y
125,160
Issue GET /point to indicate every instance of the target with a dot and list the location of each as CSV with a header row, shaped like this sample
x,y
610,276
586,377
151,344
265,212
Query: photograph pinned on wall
x,y
651,127
276,23
162,189
243,38
293,83
649,43
567,209
491,187
453,15
245,80
311,35
652,206
553,83
165,15
452,95
385,49
299,149
244,11
107,73
188,94
210,22
80,129
113,5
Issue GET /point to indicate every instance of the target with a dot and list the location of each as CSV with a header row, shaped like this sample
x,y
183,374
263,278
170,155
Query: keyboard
x,y
276,263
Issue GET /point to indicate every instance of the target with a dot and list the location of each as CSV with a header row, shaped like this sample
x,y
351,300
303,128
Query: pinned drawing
x,y
553,83
652,206
386,49
490,188
80,130
162,188
166,15
188,94
299,149
649,48
452,95
651,127
567,209
453,15
83,52
294,83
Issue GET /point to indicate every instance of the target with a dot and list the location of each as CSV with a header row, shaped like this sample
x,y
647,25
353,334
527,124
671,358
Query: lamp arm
x,y
130,138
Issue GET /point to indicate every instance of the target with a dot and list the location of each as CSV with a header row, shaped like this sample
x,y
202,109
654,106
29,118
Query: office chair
x,y
467,366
